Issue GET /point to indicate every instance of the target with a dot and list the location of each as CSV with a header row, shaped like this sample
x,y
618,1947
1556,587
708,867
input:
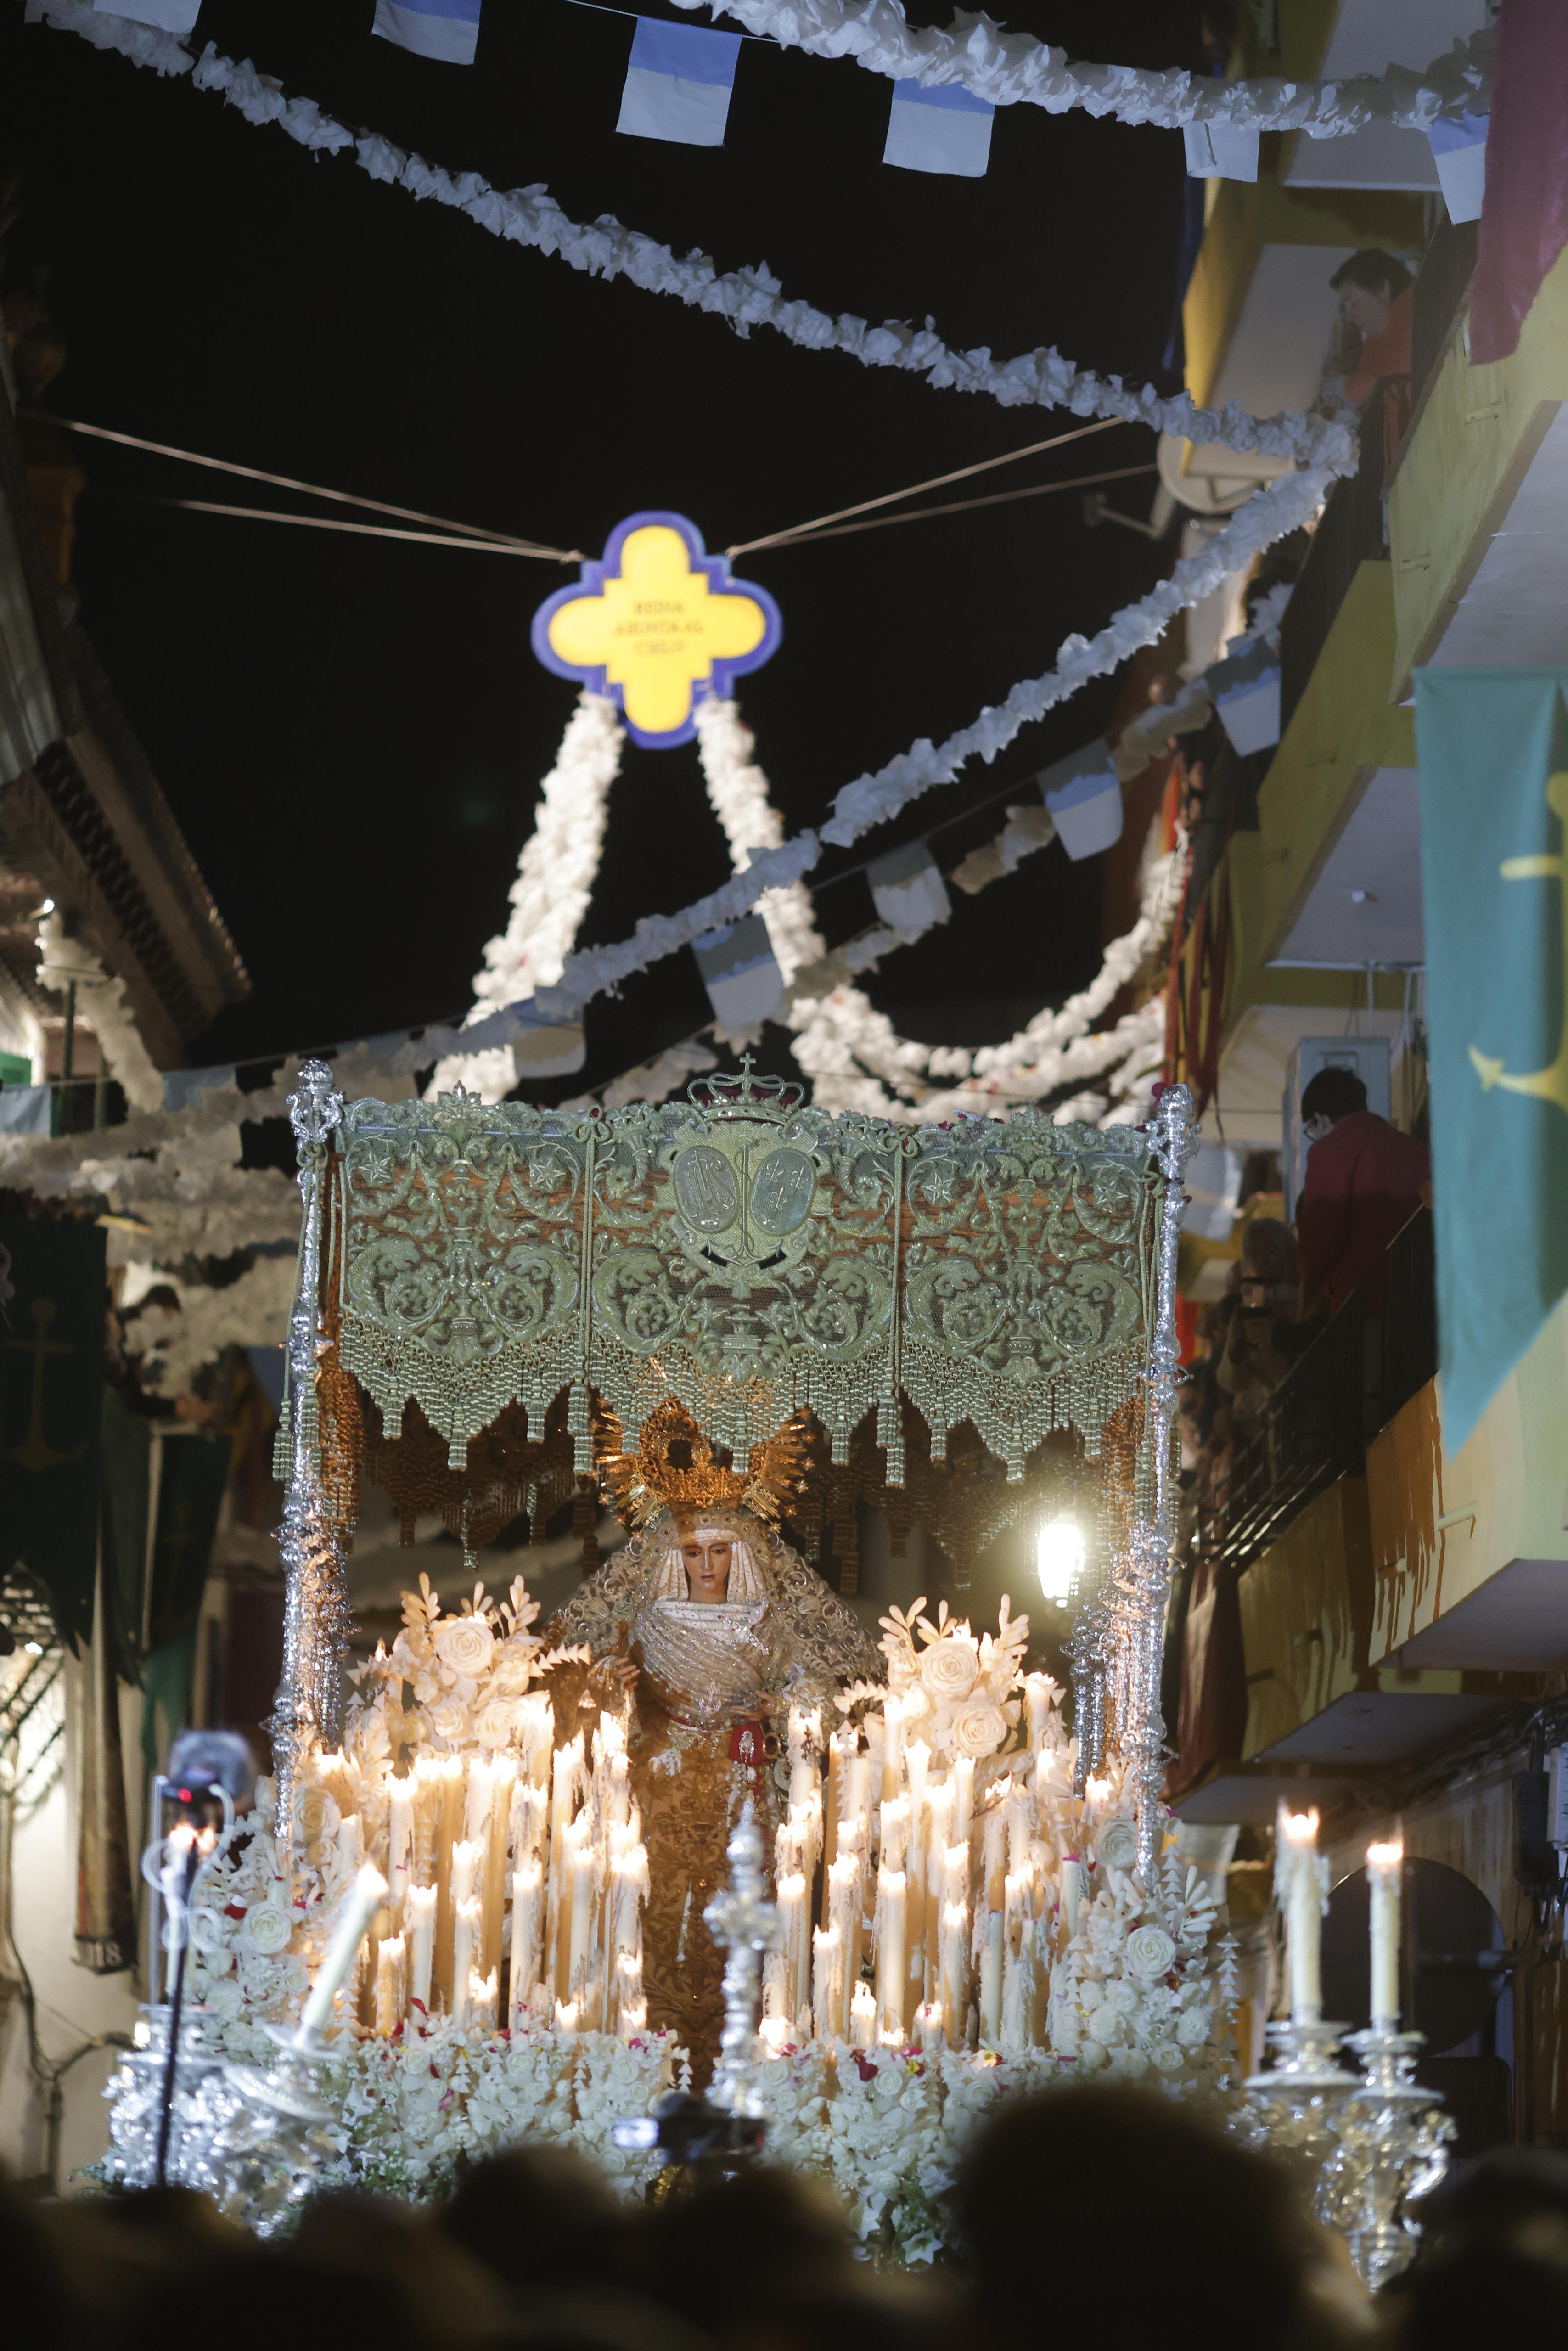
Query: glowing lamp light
x,y
1058,1558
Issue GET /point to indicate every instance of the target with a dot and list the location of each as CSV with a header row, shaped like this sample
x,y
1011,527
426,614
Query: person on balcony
x,y
1251,1367
1376,303
1364,1179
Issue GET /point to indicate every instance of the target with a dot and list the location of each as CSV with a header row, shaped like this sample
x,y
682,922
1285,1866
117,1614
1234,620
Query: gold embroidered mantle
x,y
749,1255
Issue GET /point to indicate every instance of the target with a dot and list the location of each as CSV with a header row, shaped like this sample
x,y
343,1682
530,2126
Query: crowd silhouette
x,y
1098,2216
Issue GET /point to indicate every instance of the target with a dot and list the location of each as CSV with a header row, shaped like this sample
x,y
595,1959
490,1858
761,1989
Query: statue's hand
x,y
624,1671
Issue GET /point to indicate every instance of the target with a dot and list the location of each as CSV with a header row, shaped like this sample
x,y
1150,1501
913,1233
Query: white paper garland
x,y
556,873
1014,68
747,297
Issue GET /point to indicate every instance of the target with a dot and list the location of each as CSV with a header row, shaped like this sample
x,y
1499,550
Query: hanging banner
x,y
164,15
1493,750
50,1389
656,625
1246,690
946,129
908,890
1083,794
678,83
446,30
1459,153
1220,151
742,976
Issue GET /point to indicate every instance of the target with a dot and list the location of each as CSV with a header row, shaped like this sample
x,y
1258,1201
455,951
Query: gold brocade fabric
x,y
691,1786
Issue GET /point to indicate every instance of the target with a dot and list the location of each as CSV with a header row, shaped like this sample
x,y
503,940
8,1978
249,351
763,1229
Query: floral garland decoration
x,y
747,297
1014,68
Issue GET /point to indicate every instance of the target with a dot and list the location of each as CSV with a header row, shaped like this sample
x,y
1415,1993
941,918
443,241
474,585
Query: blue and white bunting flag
x,y
1083,793
1220,151
25,1110
678,83
1246,691
165,15
743,983
183,1089
1459,153
940,130
445,29
908,890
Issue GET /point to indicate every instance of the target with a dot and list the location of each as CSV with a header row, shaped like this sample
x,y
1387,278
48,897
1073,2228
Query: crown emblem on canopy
x,y
738,1094
673,1467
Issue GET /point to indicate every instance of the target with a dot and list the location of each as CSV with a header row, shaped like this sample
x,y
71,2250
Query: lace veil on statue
x,y
671,1483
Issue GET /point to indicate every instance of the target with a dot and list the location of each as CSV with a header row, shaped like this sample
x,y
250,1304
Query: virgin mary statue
x,y
720,1630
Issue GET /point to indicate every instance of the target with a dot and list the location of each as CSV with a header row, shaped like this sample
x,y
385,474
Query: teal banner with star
x,y
1492,746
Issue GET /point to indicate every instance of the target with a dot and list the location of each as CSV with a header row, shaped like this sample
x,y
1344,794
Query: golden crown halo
x,y
674,1468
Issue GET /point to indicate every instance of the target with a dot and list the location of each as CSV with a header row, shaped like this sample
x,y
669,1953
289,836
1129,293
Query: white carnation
x,y
1168,2057
1192,2028
1104,2024
465,1645
917,1708
1091,2055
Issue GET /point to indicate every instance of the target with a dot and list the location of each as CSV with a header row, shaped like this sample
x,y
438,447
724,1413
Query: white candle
x,y
1384,1871
528,1923
891,1887
994,1848
399,1838
892,1747
1071,1896
476,1805
1037,1690
491,1887
1302,1896
774,2035
390,1986
954,1973
843,1919
350,1845
794,1920
964,1808
468,1921
895,1831
566,2018
582,1919
826,1953
420,1910
466,1861
362,1900
991,1983
863,2017
929,2024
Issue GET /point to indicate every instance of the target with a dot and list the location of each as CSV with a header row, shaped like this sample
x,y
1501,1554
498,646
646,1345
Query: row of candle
x,y
951,1905
1302,1883
529,1864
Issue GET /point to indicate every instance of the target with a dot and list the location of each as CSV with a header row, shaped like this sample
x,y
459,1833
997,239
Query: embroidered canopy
x,y
745,1253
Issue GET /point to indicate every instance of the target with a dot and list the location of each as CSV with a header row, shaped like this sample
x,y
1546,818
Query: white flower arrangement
x,y
959,1693
467,1674
1131,1995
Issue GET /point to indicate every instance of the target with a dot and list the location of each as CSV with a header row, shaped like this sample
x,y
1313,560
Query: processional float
x,y
941,1899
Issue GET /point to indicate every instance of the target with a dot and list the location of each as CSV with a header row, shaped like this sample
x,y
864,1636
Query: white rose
x,y
1089,1997
498,1723
1133,2062
267,1929
1122,1998
1150,1952
1104,2025
1192,2028
1116,1847
1168,2057
1091,2055
978,1727
464,1645
949,1669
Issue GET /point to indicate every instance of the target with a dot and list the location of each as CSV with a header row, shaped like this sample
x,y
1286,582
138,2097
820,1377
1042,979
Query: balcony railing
x,y
1410,1320
1313,1430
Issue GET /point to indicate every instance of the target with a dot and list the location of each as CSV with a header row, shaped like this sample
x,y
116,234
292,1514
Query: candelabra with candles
x,y
1373,2144
1297,2098
1391,2135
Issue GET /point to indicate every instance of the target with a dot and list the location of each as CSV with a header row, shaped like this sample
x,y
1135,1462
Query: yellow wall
x,y
1513,1470
1306,1613
1343,727
1479,429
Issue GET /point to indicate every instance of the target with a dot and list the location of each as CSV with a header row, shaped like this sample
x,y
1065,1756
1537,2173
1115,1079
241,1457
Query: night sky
x,y
351,733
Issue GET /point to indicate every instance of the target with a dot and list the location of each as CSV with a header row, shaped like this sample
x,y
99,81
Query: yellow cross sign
x,y
656,625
